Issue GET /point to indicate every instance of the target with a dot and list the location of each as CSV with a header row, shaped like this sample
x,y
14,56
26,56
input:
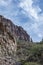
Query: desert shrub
x,y
31,63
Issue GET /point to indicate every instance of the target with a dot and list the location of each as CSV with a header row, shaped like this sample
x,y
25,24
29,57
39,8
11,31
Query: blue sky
x,y
25,13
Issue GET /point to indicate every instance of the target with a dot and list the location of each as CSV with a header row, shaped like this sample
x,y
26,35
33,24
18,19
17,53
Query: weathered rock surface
x,y
9,33
8,48
8,45
15,30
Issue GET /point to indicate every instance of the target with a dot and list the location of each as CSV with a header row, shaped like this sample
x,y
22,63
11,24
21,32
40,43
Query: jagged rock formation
x,y
8,44
9,33
15,30
8,47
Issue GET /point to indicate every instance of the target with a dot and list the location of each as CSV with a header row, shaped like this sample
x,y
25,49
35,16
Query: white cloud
x,y
33,11
28,9
40,35
5,2
7,8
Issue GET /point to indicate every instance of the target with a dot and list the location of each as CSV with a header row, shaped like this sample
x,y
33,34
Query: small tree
x,y
31,40
41,41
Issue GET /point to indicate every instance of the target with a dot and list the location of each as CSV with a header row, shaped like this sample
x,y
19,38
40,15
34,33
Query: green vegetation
x,y
31,63
30,53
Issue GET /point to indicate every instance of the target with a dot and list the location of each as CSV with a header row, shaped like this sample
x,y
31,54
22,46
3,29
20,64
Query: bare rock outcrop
x,y
9,34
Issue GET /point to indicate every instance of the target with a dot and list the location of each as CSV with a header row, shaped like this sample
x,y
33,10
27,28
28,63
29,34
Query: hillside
x,y
9,36
16,47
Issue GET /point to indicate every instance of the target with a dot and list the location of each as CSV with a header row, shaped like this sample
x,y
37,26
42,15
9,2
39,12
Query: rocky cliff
x,y
9,34
15,30
8,45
